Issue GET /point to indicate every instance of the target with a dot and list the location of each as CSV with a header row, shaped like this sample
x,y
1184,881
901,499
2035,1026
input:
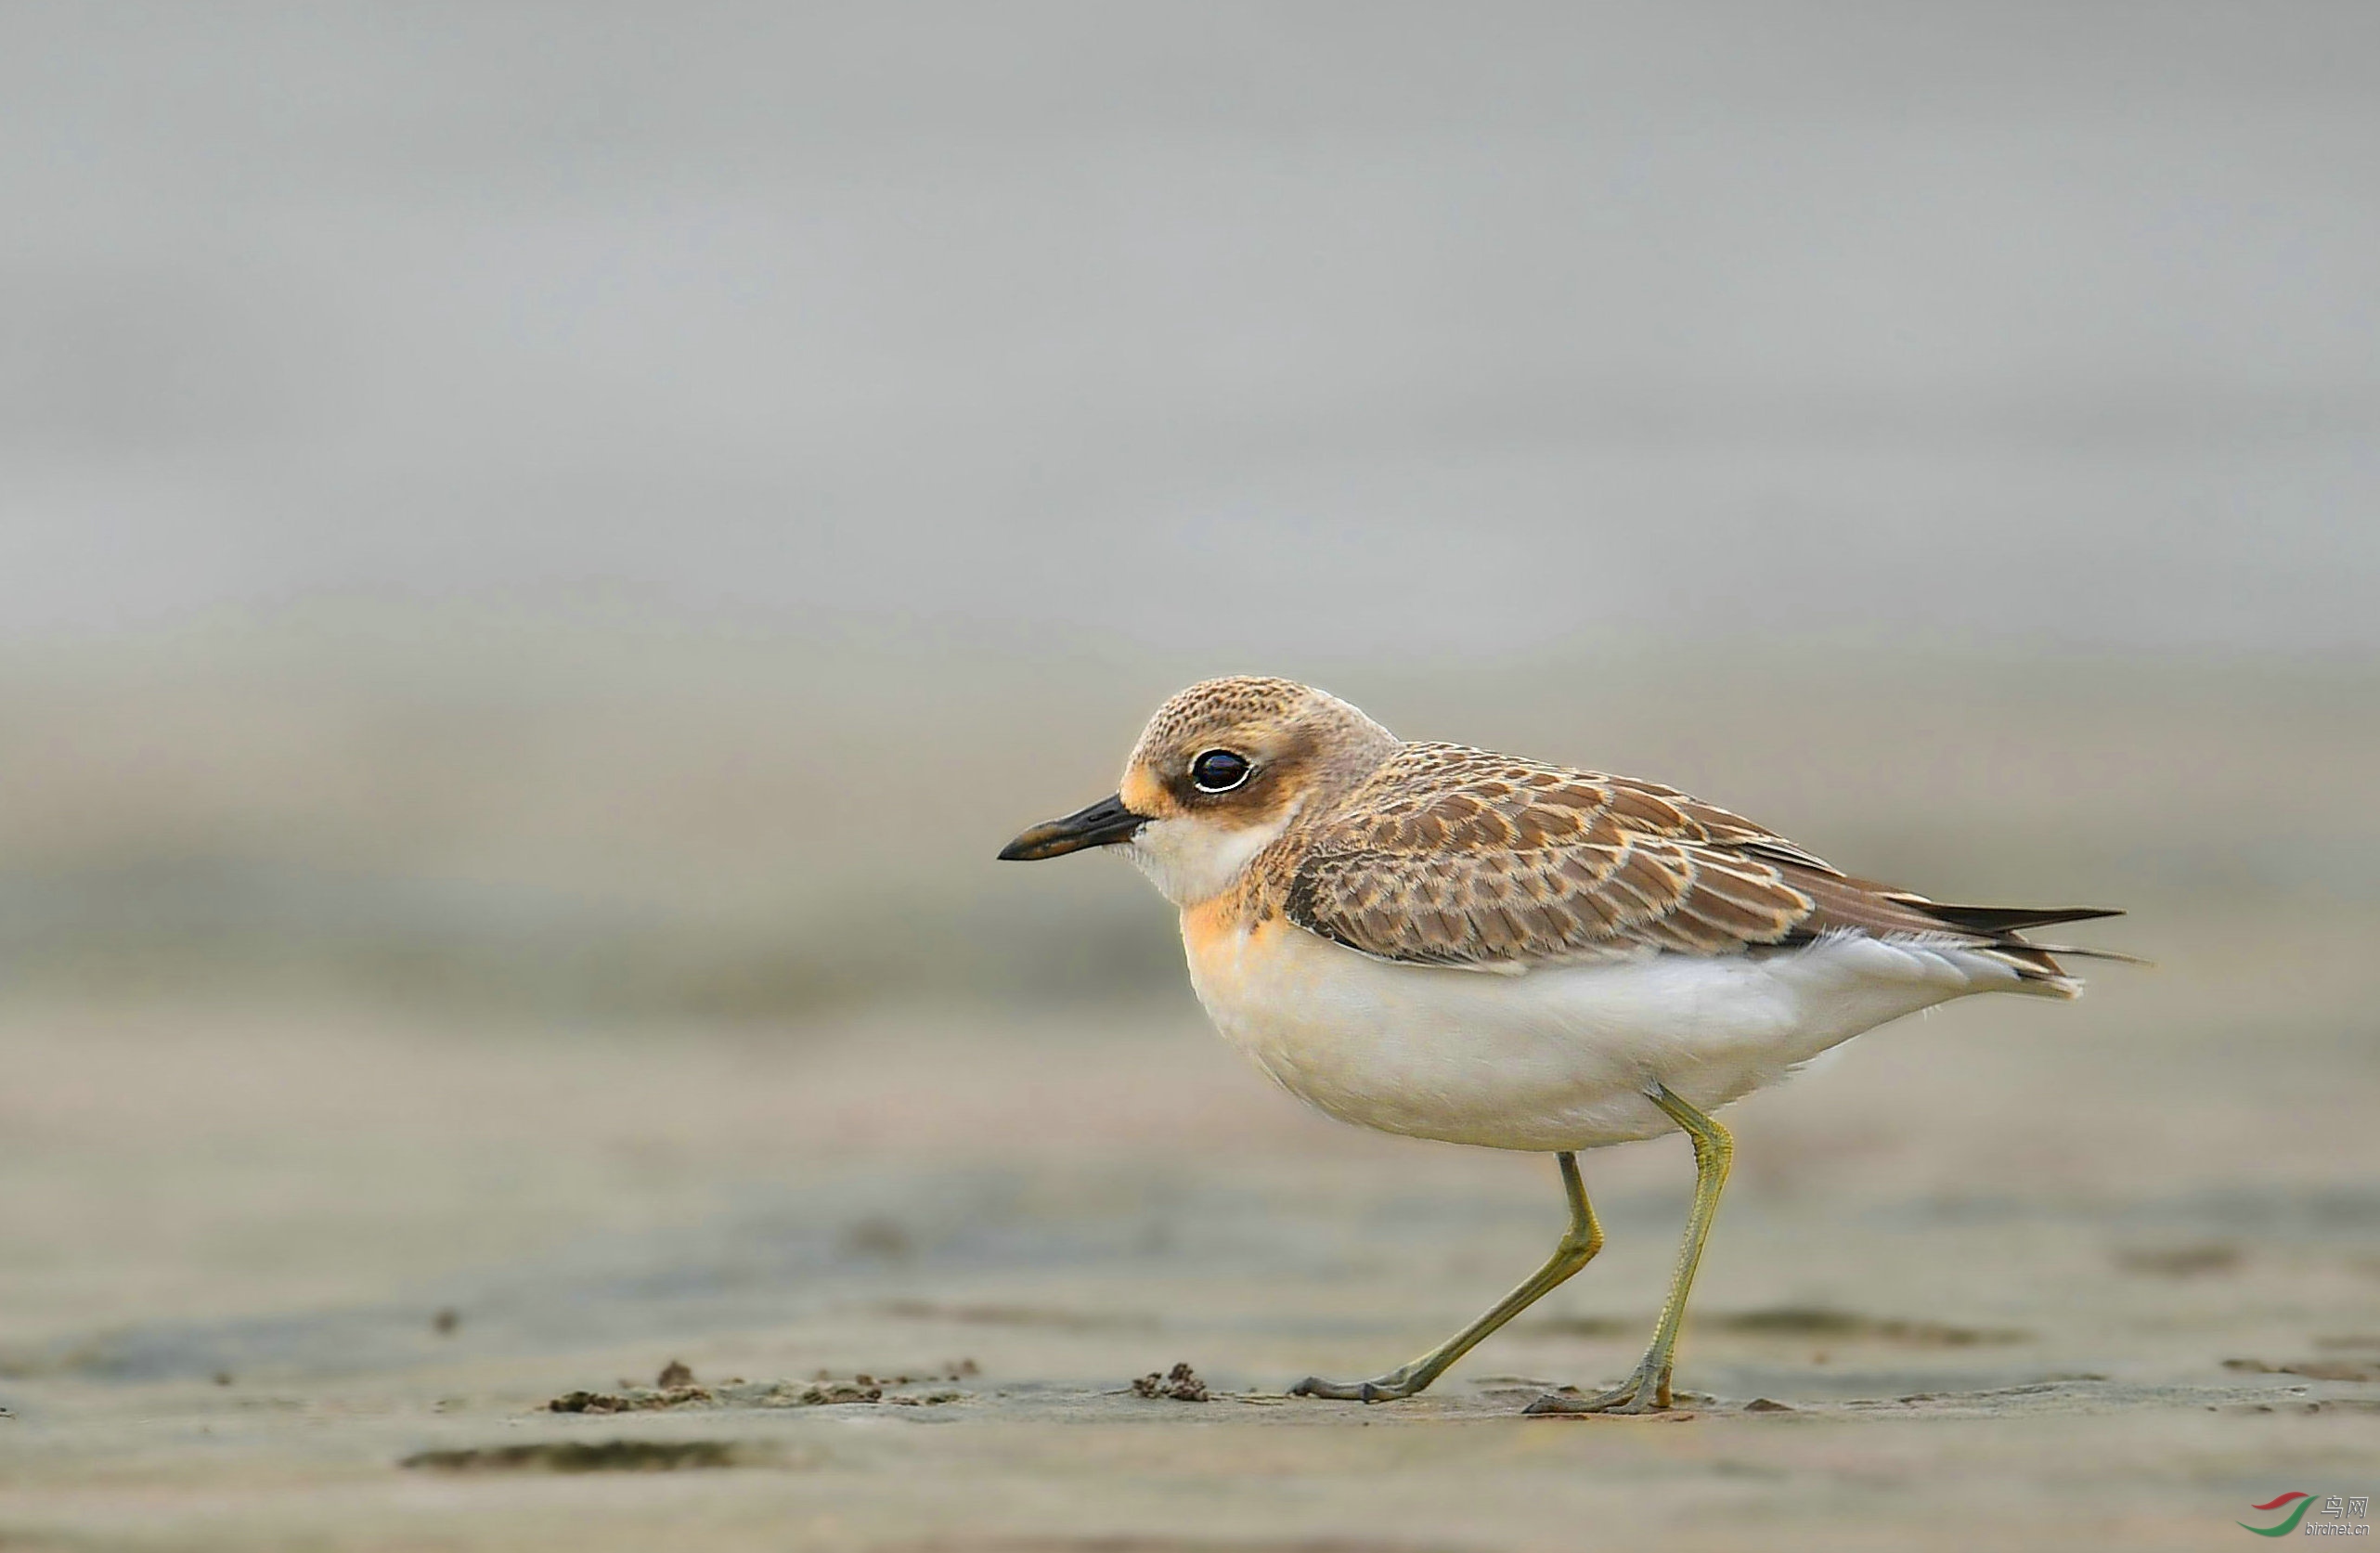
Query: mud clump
x,y
821,1393
639,1399
1181,1384
834,1391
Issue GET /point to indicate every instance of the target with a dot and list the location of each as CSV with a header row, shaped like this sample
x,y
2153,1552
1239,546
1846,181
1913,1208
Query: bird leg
x,y
1576,1248
1647,1390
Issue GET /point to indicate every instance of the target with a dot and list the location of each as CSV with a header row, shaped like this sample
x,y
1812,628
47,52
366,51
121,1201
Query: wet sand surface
x,y
312,1275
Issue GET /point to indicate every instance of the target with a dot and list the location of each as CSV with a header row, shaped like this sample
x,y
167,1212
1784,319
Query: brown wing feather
x,y
1452,856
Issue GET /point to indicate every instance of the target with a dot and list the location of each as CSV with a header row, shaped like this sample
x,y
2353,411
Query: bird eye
x,y
1219,771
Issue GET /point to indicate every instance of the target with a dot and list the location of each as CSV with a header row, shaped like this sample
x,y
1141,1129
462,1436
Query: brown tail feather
x,y
2007,919
1841,902
2034,963
2081,953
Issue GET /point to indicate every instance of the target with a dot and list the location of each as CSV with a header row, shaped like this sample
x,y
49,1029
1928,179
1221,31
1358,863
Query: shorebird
x,y
1449,943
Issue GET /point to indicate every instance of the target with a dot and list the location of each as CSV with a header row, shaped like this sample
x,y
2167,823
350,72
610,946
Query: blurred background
x,y
542,549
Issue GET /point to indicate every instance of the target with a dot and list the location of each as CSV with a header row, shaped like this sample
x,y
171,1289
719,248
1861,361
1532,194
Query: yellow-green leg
x,y
1647,1390
1576,1248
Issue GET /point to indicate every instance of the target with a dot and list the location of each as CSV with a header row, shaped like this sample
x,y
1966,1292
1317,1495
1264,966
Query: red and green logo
x,y
2287,1523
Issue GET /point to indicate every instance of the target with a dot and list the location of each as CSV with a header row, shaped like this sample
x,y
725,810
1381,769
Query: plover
x,y
1449,943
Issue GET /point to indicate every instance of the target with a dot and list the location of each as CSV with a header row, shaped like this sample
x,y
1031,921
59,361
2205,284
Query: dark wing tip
x,y
2009,919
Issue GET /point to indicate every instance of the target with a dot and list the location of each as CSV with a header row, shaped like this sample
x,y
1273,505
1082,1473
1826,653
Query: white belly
x,y
1557,1058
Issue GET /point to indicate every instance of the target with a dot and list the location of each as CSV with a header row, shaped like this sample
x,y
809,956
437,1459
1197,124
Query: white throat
x,y
1190,861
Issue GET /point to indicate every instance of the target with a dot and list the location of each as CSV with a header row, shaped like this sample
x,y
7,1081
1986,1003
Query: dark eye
x,y
1219,771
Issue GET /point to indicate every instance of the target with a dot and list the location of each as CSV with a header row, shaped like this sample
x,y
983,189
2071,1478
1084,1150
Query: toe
x,y
1387,1388
1635,1395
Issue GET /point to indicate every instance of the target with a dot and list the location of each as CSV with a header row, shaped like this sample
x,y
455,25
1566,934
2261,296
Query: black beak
x,y
1102,825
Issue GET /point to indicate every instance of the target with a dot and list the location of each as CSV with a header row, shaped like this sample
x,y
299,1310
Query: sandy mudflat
x,y
1991,1264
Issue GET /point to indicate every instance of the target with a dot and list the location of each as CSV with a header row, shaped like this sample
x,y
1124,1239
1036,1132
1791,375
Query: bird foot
x,y
1395,1386
1645,1391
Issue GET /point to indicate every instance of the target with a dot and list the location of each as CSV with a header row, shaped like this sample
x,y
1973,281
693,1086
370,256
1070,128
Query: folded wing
x,y
1451,856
